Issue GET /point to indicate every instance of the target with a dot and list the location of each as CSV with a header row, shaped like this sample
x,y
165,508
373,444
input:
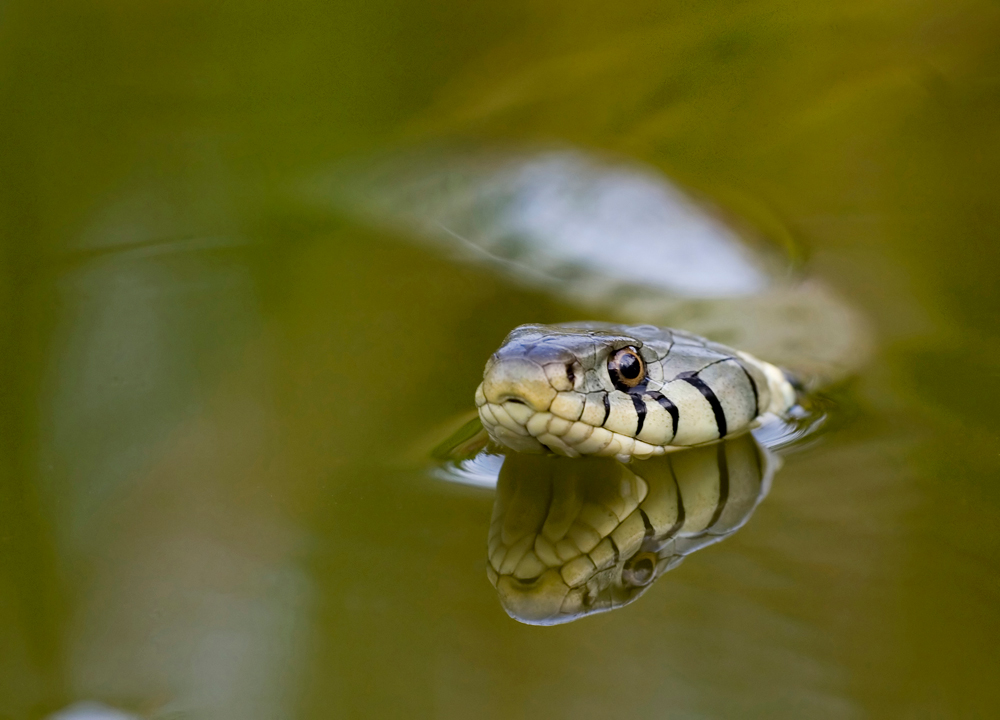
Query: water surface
x,y
217,396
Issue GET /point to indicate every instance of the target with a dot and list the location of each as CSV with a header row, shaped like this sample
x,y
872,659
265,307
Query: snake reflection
x,y
573,537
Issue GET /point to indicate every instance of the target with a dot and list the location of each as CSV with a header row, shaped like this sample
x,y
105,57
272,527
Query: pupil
x,y
628,366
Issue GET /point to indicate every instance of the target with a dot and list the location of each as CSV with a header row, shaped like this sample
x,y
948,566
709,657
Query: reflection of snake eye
x,y
638,571
626,369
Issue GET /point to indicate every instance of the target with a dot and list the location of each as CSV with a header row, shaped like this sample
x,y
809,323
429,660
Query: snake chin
x,y
548,600
516,426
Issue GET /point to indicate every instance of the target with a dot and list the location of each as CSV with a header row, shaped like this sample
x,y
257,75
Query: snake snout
x,y
518,381
537,602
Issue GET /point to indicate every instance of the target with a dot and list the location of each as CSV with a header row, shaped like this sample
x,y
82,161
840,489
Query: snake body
x,y
556,389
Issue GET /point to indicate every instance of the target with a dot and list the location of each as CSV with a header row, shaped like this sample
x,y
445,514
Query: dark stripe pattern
x,y
701,386
681,514
650,531
667,405
640,412
723,486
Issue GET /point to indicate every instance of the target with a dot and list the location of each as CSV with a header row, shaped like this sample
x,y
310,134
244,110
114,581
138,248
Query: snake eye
x,y
626,369
638,571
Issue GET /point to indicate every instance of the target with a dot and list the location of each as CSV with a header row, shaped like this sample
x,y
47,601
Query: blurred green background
x,y
209,394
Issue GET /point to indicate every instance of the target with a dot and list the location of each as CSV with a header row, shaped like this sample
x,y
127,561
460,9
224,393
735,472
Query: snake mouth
x,y
515,424
527,582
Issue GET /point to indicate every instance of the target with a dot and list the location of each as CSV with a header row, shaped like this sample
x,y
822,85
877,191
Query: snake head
x,y
630,392
537,383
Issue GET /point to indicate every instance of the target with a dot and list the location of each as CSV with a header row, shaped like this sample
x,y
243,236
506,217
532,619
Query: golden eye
x,y
639,570
626,369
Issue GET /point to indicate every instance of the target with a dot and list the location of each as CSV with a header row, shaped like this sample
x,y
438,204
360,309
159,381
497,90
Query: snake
x,y
623,391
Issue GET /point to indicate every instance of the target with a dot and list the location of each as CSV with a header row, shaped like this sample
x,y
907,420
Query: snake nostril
x,y
516,401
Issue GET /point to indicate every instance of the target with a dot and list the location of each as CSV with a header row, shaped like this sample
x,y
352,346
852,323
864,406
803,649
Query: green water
x,y
213,399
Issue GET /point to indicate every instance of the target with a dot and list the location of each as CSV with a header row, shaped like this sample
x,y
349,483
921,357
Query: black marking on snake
x,y
696,382
607,408
753,386
723,464
640,411
680,503
648,525
665,403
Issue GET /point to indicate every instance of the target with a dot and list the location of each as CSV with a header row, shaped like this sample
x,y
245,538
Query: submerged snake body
x,y
558,389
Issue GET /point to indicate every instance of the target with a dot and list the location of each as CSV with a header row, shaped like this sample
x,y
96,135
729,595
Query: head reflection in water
x,y
571,537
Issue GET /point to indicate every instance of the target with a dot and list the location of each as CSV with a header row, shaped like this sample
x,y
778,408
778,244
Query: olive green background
x,y
212,396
